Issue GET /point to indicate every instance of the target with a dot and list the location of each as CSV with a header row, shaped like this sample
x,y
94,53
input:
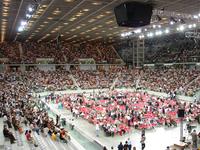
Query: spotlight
x,y
172,20
154,26
138,31
23,23
190,26
159,26
158,33
167,31
150,34
195,17
194,25
141,36
181,28
20,29
30,9
28,16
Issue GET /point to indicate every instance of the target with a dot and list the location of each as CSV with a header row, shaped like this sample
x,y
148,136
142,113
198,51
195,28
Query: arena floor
x,y
156,139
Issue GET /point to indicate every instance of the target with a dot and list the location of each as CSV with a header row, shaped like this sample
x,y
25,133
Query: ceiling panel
x,y
75,20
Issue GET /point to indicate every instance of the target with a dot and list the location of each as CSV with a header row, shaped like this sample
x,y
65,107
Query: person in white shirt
x,y
97,129
5,118
129,144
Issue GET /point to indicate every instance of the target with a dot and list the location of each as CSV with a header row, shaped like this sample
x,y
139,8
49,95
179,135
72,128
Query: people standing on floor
x,y
120,146
8,134
143,138
129,144
194,139
143,132
57,119
97,129
126,146
104,148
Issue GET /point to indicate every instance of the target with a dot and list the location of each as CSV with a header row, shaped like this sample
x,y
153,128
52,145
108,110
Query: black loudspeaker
x,y
181,113
133,14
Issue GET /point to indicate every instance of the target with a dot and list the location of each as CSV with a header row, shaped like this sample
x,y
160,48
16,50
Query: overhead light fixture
x,y
126,34
20,29
195,17
180,28
30,9
141,36
167,31
172,20
138,31
23,23
150,34
28,16
158,32
190,26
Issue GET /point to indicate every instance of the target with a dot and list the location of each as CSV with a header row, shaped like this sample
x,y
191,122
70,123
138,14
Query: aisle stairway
x,y
74,81
44,143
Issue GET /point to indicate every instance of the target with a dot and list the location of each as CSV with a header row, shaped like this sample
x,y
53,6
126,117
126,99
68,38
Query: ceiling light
x,y
158,33
167,31
190,26
23,23
141,36
150,34
195,17
138,31
96,3
194,25
69,0
85,10
181,28
30,9
20,29
171,22
28,16
126,34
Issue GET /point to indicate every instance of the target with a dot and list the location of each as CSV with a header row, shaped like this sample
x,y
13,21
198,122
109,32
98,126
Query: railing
x,y
76,133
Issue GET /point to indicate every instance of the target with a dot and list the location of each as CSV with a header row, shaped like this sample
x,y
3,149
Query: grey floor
x,y
44,143
156,139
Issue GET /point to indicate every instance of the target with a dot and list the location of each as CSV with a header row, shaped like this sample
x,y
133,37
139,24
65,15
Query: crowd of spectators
x,y
10,51
62,53
175,48
20,111
161,80
181,81
94,79
116,112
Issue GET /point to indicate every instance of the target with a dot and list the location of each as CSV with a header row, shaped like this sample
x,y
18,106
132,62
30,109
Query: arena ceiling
x,y
75,20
